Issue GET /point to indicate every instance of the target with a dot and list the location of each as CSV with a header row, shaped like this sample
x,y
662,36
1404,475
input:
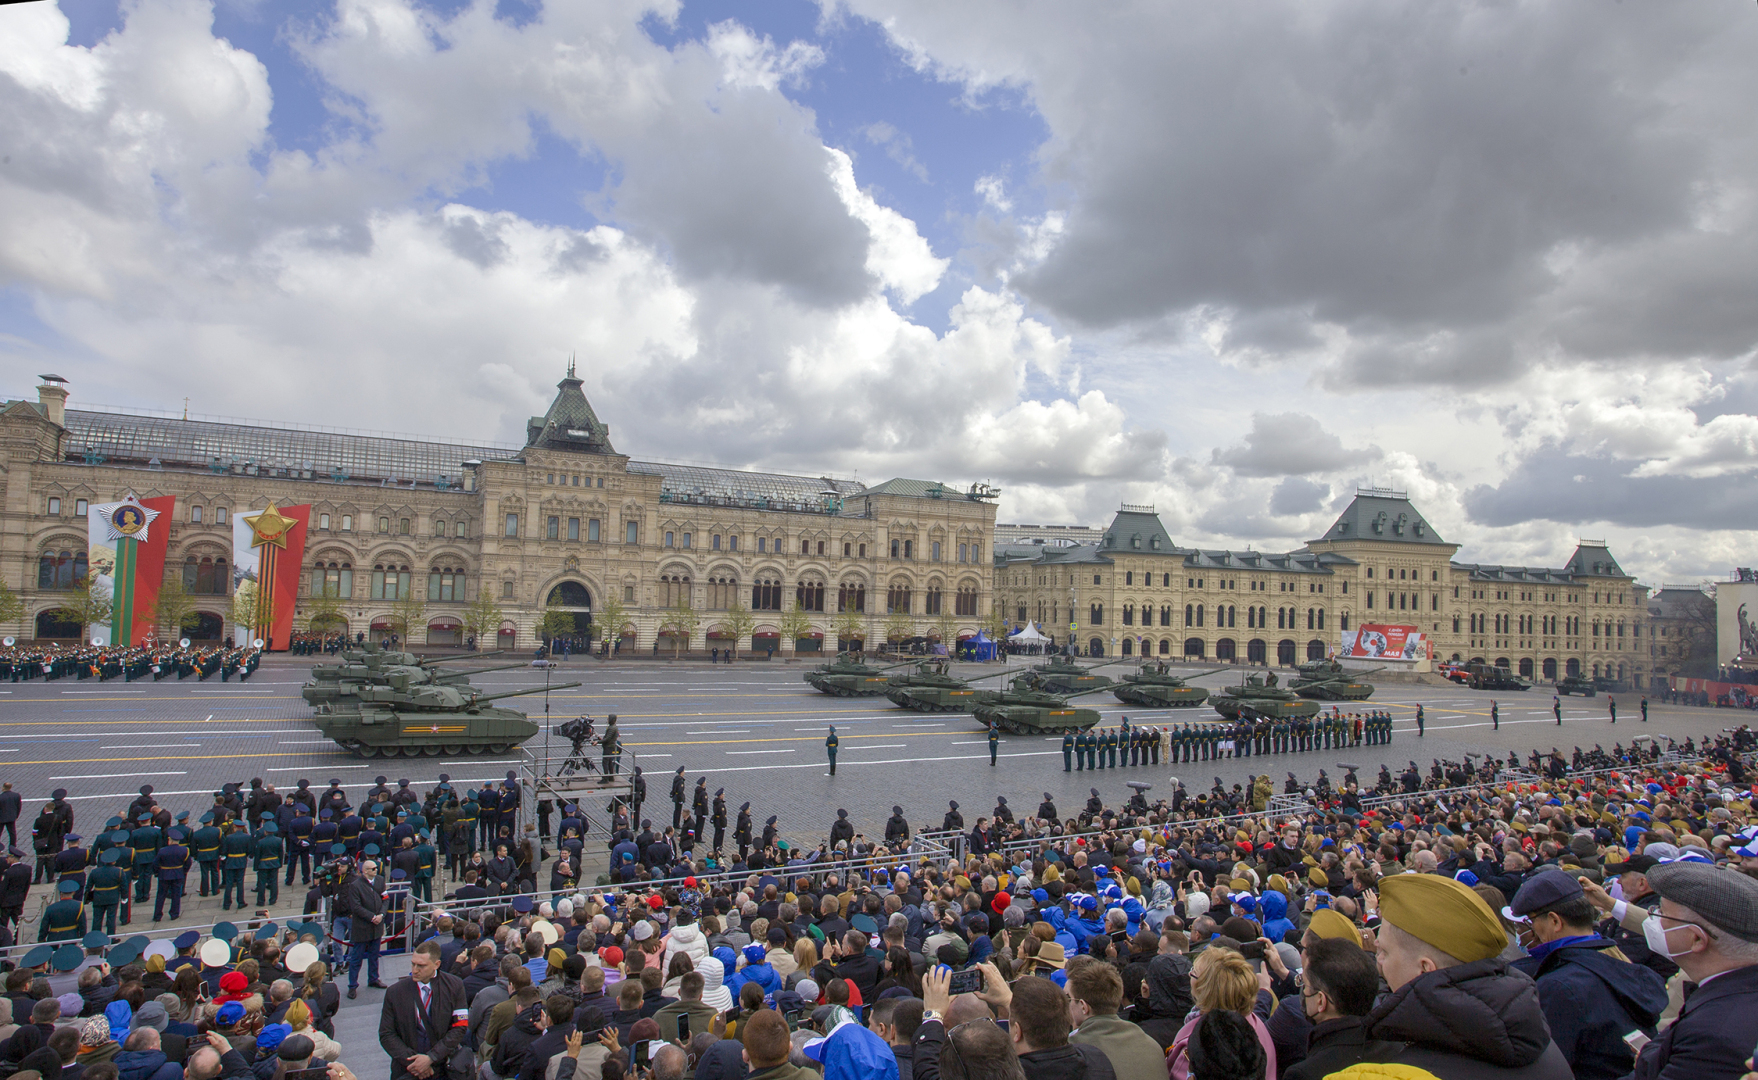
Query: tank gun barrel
x,y
528,690
1200,674
478,671
428,661
1090,690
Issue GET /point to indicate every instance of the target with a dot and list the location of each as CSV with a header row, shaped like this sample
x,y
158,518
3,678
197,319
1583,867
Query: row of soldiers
x,y
1105,748
107,662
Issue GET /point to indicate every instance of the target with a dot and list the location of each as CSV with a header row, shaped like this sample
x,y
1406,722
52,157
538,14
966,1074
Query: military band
x,y
21,663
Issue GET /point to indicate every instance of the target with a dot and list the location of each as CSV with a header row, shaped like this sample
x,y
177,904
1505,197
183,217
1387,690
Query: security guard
x,y
426,863
104,890
830,744
1068,751
234,856
269,852
206,844
64,920
994,742
172,864
144,841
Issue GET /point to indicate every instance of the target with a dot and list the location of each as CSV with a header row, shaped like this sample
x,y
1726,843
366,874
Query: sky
x,y
1230,260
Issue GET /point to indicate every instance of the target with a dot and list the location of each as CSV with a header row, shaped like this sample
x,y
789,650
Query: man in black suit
x,y
364,894
11,805
425,1017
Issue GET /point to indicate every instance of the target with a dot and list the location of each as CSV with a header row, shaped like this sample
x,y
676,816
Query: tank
x,y
346,689
1156,687
1037,711
850,677
1327,680
429,720
1063,674
1493,677
1575,684
1259,695
931,688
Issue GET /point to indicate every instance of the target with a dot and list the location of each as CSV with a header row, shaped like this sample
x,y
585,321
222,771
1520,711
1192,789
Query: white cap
x,y
300,957
215,953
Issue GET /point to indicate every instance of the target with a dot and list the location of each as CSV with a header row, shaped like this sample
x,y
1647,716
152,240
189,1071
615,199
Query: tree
x,y
482,616
851,625
174,610
407,612
898,626
738,622
681,621
947,625
323,611
11,605
997,624
613,618
795,624
88,605
555,621
242,610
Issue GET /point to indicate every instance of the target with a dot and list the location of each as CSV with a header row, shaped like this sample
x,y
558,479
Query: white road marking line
x,y
117,775
103,691
721,731
149,746
734,752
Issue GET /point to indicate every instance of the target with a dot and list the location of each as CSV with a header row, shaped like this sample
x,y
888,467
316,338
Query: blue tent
x,y
981,647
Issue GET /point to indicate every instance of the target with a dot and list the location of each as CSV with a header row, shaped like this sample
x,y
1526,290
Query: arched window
x,y
206,576
390,582
674,590
810,595
723,592
445,583
1098,615
766,595
931,600
967,601
1128,614
335,580
851,596
61,570
897,599
1190,614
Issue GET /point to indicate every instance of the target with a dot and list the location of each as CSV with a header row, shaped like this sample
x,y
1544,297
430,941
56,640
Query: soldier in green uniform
x,y
104,888
994,743
1105,744
234,856
205,842
64,920
269,852
144,841
830,744
1068,751
426,863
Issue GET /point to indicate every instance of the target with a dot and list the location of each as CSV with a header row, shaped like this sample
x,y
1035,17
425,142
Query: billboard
x,y
1736,618
1377,641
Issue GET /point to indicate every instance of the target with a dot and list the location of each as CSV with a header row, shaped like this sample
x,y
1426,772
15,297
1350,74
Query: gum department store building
x,y
567,521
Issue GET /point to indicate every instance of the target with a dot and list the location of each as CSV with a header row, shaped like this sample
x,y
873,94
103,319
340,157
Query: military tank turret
x,y
1328,680
850,677
1156,687
1259,695
1038,711
429,720
370,660
1063,674
345,690
931,688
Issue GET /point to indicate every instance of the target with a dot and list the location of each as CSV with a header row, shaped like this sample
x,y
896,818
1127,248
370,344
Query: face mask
x,y
1655,935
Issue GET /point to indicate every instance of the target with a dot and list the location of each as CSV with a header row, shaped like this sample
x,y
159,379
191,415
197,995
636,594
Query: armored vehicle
x,y
931,688
1492,677
1327,680
1575,684
1063,674
370,658
429,720
1037,711
1259,695
344,691
849,676
1156,687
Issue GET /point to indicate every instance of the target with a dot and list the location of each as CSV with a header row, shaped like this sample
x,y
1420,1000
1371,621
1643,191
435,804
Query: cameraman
x,y
363,897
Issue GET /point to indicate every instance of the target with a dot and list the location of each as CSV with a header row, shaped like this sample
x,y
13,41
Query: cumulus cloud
x,y
1290,444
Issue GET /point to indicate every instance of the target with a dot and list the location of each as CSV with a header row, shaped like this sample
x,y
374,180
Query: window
x,y
574,528
1128,579
863,551
632,532
1370,598
1095,579
348,523
384,524
966,602
79,508
810,595
506,590
220,515
909,549
674,591
207,576
552,478
445,583
1370,571
722,593
732,543
194,511
846,548
931,601
895,544
851,598
61,569
1343,622
553,525
390,582
512,524
1128,614
766,595
897,599
934,549
323,521
335,580
1097,615
668,539
714,544
592,530
762,544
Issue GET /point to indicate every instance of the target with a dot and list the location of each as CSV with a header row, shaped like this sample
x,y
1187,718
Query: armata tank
x,y
1063,674
429,720
1156,687
1260,696
850,677
931,688
345,691
1038,712
1327,680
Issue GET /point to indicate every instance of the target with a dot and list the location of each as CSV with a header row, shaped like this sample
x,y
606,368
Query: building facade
x,y
688,555
1138,591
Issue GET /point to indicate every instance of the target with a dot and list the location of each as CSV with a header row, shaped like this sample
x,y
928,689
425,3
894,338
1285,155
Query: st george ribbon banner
x,y
268,548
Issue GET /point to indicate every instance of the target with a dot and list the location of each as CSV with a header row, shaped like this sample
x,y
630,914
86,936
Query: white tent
x,y
1028,636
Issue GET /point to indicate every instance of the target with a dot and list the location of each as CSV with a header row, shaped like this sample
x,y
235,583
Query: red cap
x,y
234,982
689,883
656,902
611,955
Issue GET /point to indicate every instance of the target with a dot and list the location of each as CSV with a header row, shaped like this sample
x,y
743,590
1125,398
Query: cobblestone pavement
x,y
754,728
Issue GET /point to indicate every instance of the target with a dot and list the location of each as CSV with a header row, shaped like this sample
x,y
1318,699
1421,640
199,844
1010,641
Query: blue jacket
x,y
762,974
1591,1000
1276,923
146,1065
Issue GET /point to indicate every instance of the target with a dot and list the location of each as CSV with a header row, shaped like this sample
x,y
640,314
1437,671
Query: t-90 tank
x,y
1156,687
1260,696
931,688
345,691
430,720
1327,680
1037,712
1063,674
850,677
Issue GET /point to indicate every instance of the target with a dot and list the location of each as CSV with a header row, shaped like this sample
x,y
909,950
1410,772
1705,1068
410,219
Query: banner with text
x,y
1375,641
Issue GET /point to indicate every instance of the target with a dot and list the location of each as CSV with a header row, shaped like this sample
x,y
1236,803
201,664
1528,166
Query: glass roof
x,y
705,486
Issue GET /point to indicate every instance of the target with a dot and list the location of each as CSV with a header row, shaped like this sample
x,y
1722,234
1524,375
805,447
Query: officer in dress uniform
x,y
742,831
1067,751
299,831
234,857
426,863
71,863
104,890
172,864
1080,751
144,841
994,742
830,744
269,855
719,819
699,805
64,920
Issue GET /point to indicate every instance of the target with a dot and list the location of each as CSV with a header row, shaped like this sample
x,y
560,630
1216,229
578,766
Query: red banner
x,y
149,569
285,592
1739,694
1377,641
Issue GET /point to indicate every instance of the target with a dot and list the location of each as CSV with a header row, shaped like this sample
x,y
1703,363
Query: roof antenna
x,y
570,365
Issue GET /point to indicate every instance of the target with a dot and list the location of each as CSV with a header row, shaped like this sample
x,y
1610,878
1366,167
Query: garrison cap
x,y
1330,923
1443,913
1727,899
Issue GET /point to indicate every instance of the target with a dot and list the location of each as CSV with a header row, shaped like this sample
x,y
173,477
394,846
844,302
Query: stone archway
x,y
575,597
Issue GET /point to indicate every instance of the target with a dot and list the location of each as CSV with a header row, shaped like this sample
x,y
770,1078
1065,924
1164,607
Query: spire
x,y
570,423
